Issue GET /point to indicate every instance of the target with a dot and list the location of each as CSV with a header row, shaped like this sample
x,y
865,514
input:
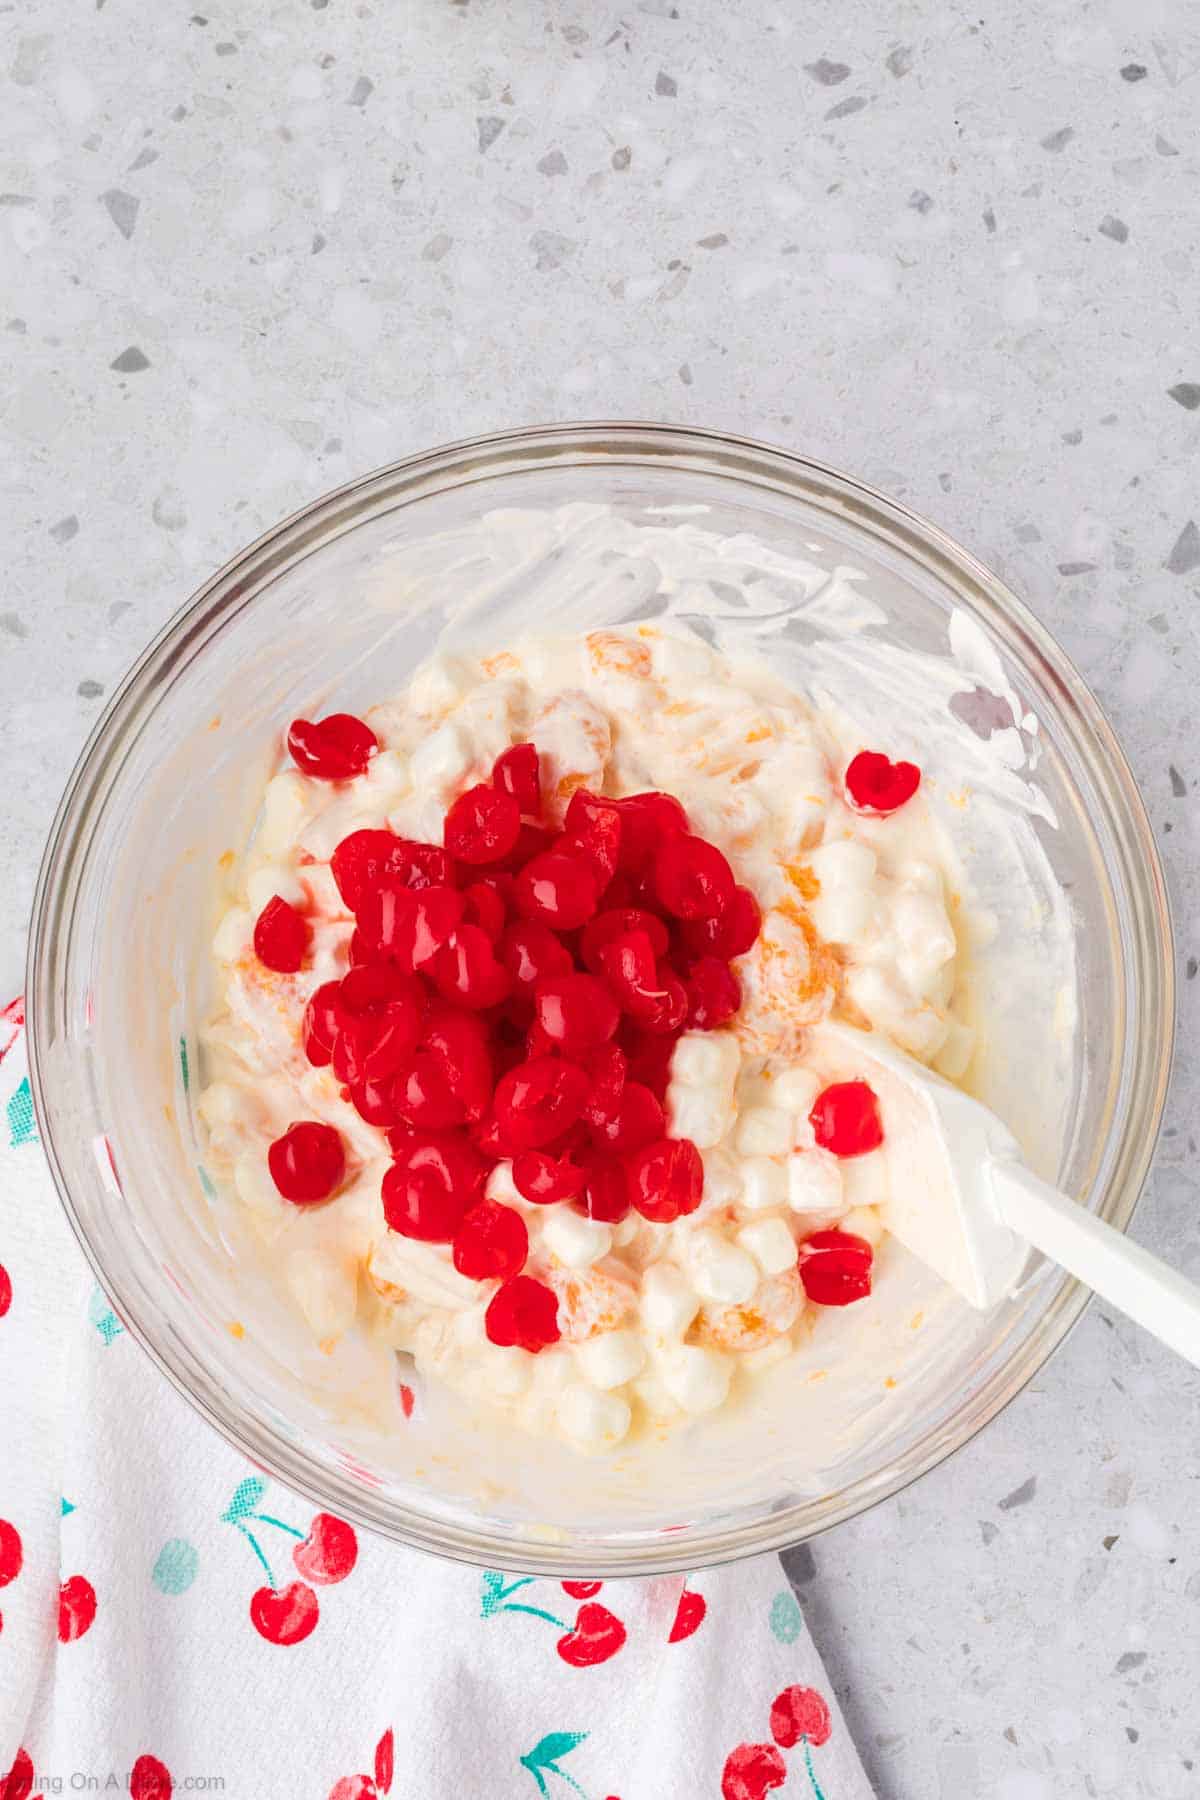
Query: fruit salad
x,y
510,1068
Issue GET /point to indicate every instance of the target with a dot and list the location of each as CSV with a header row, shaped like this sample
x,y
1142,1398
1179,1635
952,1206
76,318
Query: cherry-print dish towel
x,y
172,1622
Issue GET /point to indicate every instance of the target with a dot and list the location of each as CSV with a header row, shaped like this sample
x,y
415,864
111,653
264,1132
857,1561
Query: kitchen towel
x,y
172,1622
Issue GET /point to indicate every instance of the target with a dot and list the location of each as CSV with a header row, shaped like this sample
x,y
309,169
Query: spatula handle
x,y
1150,1292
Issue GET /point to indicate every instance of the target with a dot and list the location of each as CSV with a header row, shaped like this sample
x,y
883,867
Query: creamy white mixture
x,y
658,1322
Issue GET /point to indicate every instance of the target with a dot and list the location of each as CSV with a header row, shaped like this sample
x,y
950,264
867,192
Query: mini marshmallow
x,y
764,1184
326,1290
843,863
794,1091
233,935
577,1242
680,658
765,1131
719,1270
770,1243
696,1379
439,684
702,1114
275,879
222,1105
864,1222
507,1372
441,762
669,1303
926,938
708,1059
349,811
610,1359
814,1182
955,1054
289,800
595,1421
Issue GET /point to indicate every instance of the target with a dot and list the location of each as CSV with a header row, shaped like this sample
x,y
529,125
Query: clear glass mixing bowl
x,y
308,618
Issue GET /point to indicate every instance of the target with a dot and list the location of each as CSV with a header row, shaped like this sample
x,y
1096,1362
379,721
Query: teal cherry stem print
x,y
596,1634
325,1555
543,1759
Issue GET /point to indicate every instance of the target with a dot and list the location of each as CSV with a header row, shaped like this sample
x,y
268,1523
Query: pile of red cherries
x,y
515,993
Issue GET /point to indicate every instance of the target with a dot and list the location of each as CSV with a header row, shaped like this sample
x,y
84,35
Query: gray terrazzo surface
x,y
250,252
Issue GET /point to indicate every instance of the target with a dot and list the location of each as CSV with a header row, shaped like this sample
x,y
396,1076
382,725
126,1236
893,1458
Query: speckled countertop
x,y
250,252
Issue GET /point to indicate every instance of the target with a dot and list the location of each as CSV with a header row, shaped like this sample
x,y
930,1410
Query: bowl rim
x,y
547,446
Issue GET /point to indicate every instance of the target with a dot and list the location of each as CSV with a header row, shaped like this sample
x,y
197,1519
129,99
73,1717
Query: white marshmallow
x,y
576,1241
426,1271
275,878
325,1288
222,1105
696,1379
252,1179
680,658
669,1303
765,1131
956,1053
232,936
764,1184
441,762
708,1059
595,1421
701,1113
844,863
288,802
770,1243
349,811
814,1182
718,1269
864,1222
506,1371
795,1090
925,936
611,1358
439,684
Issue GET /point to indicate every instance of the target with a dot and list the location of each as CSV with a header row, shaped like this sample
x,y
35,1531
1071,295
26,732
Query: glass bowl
x,y
332,609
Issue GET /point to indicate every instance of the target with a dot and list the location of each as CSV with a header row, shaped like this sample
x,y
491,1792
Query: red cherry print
x,y
385,1756
76,1607
692,878
557,888
876,785
835,1267
491,1244
320,1025
12,1554
543,1178
482,826
353,1787
751,1771
284,1615
607,1069
731,933
486,907
594,825
666,1179
538,1100
689,1616
523,1312
606,1195
597,1635
5,1290
18,1783
576,1012
614,923
367,857
517,772
281,937
332,749
845,1119
530,952
582,1590
307,1162
646,819
636,1121
800,1712
329,1552
714,994
430,1186
467,972
150,1779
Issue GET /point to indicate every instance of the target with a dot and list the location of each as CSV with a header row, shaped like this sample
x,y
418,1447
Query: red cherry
x,y
649,1055
5,1290
281,936
576,1012
606,1196
492,1243
607,1069
11,1553
646,819
689,1616
530,952
523,1312
714,994
637,1120
518,773
284,1615
670,1007
466,970
532,840
431,1184
666,1179
544,1179
582,1590
329,1552
332,749
730,933
751,1770
692,878
614,923
76,1607
384,1761
631,969
380,1013
307,1162
320,1025
486,904
407,925
874,784
538,1100
845,1119
800,1712
598,1634
459,1041
150,1779
835,1267
367,857
594,824
482,826
424,1097
557,888
18,1783
376,1102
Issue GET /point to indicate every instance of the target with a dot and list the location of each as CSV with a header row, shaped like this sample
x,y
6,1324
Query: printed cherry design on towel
x,y
751,1771
76,1607
12,1554
799,1715
18,1783
329,1552
689,1616
596,1635
150,1779
800,1712
5,1290
582,1590
326,1555
366,1787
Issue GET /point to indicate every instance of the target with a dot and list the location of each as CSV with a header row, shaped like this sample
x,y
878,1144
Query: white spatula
x,y
965,1204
